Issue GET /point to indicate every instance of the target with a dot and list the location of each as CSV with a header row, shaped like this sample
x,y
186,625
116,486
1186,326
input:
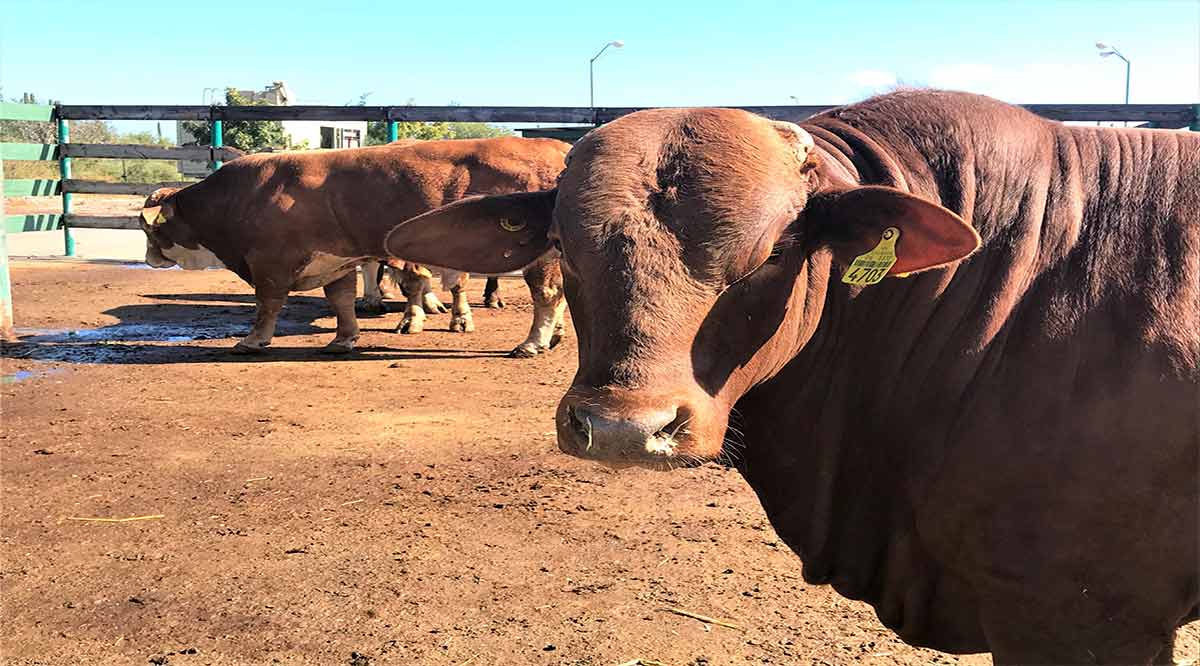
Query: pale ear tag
x,y
873,266
152,215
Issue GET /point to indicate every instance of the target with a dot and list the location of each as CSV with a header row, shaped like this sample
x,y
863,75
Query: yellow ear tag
x,y
151,214
508,225
871,267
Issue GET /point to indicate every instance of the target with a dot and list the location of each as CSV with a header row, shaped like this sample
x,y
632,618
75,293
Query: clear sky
x,y
536,53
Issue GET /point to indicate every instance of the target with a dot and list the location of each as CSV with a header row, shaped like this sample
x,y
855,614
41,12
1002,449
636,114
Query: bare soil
x,y
405,505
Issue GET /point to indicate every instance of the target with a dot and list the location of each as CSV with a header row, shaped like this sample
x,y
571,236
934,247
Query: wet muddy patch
x,y
128,342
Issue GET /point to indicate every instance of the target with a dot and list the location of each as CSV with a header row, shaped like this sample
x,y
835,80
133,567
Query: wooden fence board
x,y
27,187
146,152
29,151
16,224
133,112
103,187
103,222
36,112
1173,115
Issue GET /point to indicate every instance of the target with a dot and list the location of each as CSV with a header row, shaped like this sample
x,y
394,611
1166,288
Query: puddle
x,y
150,332
26,375
120,343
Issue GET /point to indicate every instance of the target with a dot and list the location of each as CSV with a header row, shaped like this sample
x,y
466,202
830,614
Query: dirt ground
x,y
405,505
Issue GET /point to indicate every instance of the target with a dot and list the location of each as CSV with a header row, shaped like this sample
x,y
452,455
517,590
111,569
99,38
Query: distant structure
x,y
300,133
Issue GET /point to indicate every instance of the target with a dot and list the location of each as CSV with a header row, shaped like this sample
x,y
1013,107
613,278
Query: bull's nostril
x,y
677,426
582,426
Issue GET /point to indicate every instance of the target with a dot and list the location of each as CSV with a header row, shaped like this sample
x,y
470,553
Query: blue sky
x,y
536,53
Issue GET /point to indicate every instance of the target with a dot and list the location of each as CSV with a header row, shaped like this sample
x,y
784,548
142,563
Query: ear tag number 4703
x,y
871,267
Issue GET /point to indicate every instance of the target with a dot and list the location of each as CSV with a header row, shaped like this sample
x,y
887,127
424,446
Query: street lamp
x,y
591,75
1105,51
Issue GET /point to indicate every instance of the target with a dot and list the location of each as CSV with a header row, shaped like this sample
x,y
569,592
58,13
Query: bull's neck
x,y
822,433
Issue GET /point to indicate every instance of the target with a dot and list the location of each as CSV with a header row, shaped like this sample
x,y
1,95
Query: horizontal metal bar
x,y
27,187
29,151
36,112
103,222
15,224
105,187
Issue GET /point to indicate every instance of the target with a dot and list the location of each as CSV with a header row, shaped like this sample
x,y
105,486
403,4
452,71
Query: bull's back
x,y
344,202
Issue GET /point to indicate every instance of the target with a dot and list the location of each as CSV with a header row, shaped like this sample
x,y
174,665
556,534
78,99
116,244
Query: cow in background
x,y
300,220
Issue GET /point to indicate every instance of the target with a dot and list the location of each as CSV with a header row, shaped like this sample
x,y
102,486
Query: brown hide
x,y
999,453
266,216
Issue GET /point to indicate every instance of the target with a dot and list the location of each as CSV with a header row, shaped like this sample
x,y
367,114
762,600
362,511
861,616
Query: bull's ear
x,y
483,234
853,222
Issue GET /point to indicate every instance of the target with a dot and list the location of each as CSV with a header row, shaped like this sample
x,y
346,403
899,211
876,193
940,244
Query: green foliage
x,y
247,135
377,130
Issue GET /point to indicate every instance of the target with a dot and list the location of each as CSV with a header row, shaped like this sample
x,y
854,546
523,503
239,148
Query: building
x,y
301,134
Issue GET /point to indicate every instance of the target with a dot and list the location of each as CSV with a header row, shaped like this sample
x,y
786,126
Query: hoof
x,y
370,308
494,303
411,326
462,324
339,346
554,340
433,305
243,349
525,350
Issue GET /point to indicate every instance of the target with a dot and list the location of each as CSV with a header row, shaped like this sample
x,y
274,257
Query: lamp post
x,y
592,76
1107,50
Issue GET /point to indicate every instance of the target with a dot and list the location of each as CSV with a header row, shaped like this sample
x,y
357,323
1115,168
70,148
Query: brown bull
x,y
999,452
300,220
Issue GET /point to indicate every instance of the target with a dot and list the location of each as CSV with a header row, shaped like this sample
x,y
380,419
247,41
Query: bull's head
x,y
169,240
697,246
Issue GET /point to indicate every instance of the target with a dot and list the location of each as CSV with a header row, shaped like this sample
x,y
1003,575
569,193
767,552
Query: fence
x,y
1171,116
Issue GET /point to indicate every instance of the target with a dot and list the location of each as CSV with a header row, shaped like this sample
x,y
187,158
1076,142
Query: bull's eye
x,y
558,245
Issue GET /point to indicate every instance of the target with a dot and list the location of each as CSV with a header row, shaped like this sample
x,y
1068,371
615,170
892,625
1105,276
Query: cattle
x,y
300,220
953,347
375,275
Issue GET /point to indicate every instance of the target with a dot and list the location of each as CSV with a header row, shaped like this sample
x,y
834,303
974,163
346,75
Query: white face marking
x,y
322,269
191,260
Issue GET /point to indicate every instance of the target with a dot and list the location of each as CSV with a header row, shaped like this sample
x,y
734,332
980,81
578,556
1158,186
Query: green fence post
x,y
64,168
393,130
218,138
7,333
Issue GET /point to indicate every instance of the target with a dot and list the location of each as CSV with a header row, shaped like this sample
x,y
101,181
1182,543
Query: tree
x,y
246,135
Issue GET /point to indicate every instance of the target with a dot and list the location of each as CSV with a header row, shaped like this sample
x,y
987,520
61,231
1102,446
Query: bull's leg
x,y
460,309
372,300
340,294
1042,633
413,284
389,283
269,304
1166,656
491,294
545,287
